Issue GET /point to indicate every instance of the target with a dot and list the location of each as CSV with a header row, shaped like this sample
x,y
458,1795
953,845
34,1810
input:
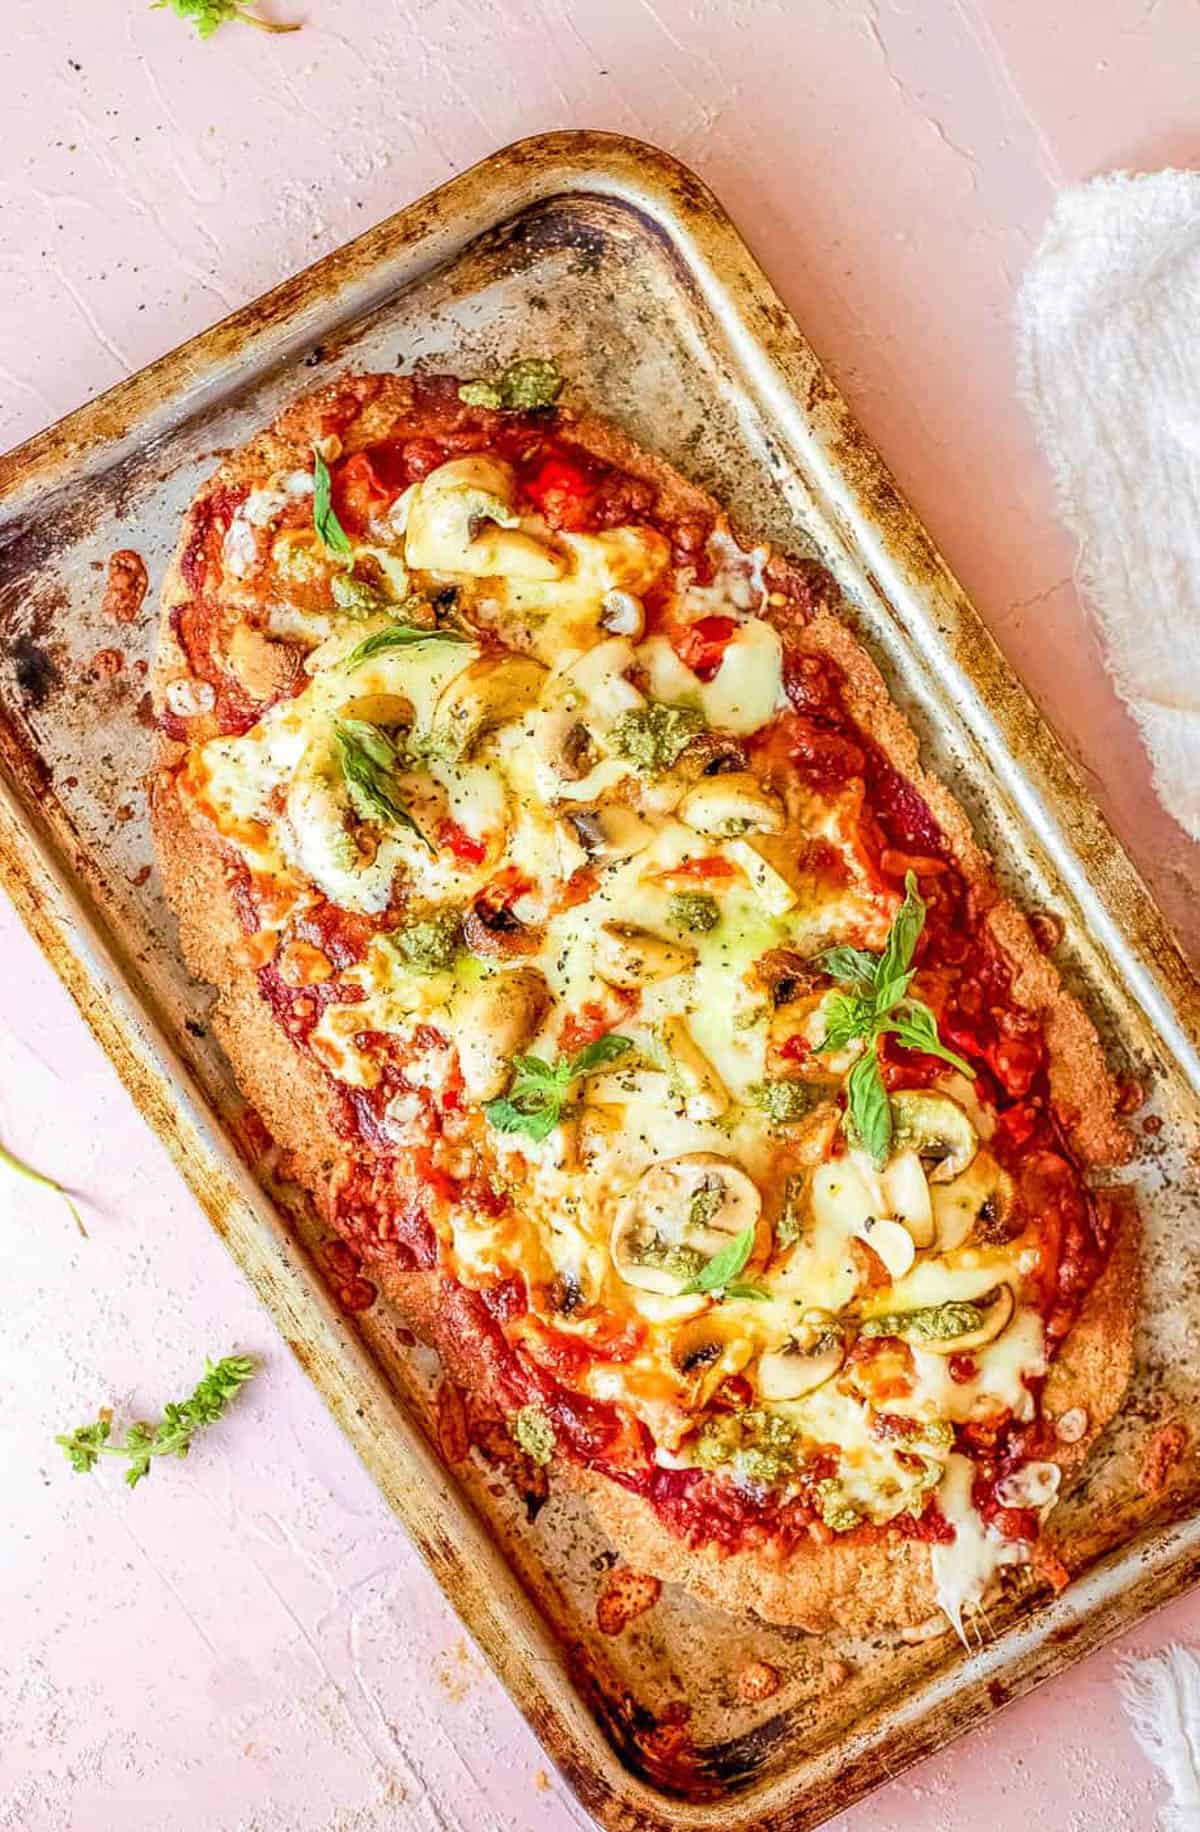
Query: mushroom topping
x,y
906,1191
609,833
461,519
980,1203
712,753
680,1216
705,1094
630,957
566,746
732,804
486,693
492,932
492,1022
707,1349
813,1355
844,1200
953,1328
937,1129
621,614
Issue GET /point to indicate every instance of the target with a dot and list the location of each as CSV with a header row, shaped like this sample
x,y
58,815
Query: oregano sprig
x,y
220,1384
877,1000
47,1183
207,15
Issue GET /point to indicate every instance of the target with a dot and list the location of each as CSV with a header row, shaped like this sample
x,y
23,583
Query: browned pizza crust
x,y
819,1586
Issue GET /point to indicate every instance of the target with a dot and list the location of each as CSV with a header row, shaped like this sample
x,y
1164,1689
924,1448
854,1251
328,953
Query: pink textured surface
x,y
249,1642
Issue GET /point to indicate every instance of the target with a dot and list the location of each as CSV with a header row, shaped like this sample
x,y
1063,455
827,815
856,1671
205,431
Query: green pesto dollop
x,y
931,1323
522,385
533,1430
695,911
430,945
760,1446
784,1102
836,1511
654,736
673,1257
356,597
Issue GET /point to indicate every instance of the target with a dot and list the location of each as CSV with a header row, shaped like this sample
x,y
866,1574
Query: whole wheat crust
x,y
818,1586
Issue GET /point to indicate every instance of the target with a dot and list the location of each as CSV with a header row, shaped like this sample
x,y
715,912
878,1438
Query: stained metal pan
x,y
619,260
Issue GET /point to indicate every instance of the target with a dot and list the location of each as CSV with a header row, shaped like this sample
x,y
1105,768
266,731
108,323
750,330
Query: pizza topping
x,y
533,1431
624,941
696,911
653,737
951,1328
527,383
691,1225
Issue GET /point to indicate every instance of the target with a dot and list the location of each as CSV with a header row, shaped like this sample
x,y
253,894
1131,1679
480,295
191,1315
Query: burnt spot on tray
x,y
36,671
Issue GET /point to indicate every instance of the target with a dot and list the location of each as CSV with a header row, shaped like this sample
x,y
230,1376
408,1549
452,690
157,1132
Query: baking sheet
x,y
621,262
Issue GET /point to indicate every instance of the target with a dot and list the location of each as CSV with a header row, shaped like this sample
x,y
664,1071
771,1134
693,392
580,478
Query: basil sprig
x,y
721,1272
876,1000
325,519
368,760
540,1090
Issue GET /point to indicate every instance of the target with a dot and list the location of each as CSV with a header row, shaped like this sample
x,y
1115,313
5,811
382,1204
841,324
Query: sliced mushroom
x,y
492,1022
681,1214
705,1095
461,519
997,1317
622,614
599,675
906,1190
844,1200
937,1129
732,804
610,832
630,957
565,745
712,753
979,1203
487,692
492,932
773,878
813,1356
892,1242
707,1350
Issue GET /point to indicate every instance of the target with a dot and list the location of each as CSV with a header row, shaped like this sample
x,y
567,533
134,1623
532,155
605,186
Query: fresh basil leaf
x,y
325,519
854,967
903,935
536,1122
890,991
594,1055
846,1018
916,1028
368,761
397,636
868,1108
724,1266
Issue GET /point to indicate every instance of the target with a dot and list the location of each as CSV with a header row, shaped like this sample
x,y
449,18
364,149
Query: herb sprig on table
x,y
877,1000
47,1183
172,1436
207,15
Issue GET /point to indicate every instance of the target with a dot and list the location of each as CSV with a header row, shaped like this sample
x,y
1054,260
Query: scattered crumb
x,y
126,588
106,663
457,1671
626,1594
757,1680
1162,1454
541,1781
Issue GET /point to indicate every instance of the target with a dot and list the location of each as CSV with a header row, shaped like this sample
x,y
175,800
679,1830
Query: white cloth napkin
x,y
1109,337
1162,1698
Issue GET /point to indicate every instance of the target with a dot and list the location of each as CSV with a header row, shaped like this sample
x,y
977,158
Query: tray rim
x,y
38,876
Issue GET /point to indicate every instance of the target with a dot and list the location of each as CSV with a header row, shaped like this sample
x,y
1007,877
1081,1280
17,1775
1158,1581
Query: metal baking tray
x,y
619,260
